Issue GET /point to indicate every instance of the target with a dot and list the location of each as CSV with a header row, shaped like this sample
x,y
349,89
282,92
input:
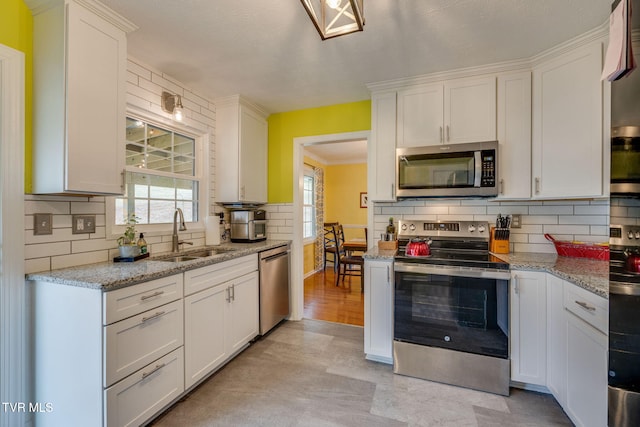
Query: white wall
x,y
582,220
63,249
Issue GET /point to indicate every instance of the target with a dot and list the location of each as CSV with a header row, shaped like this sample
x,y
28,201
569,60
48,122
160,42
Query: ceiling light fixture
x,y
172,104
333,18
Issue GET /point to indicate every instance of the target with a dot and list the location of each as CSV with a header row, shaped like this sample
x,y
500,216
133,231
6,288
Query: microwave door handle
x,y
478,168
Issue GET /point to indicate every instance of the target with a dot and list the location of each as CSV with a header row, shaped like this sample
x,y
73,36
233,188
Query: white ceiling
x,y
336,153
269,51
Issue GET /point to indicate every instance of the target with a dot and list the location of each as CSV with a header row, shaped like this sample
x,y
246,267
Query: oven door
x,y
463,309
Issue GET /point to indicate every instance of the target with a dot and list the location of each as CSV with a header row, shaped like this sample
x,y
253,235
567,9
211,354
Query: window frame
x,y
309,172
201,165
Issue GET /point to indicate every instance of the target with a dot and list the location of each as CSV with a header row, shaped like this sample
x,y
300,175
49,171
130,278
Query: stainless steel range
x,y
451,313
624,326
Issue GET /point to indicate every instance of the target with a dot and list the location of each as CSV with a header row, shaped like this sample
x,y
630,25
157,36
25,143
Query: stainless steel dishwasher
x,y
274,287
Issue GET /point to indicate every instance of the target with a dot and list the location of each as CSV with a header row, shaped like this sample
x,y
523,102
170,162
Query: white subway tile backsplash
x,y
37,264
46,250
584,219
551,210
65,261
566,229
140,70
592,210
46,206
539,219
87,208
468,210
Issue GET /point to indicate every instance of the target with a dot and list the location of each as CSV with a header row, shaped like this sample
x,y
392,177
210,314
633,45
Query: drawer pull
x,y
585,305
157,368
155,294
158,314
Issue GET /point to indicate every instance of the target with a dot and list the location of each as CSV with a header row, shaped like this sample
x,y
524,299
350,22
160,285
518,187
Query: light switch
x,y
42,224
83,224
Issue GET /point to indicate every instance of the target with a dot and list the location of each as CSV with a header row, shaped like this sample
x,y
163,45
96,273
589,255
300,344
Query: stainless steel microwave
x,y
456,170
625,160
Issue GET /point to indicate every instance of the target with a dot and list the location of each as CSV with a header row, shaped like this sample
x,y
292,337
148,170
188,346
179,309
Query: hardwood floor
x,y
323,300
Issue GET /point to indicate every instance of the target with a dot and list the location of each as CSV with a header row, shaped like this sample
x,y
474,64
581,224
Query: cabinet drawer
x,y
205,277
135,299
134,342
591,308
143,394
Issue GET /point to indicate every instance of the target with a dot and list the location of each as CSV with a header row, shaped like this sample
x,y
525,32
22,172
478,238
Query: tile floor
x,y
313,373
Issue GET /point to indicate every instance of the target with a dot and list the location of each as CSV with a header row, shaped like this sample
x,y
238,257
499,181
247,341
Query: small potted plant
x,y
127,242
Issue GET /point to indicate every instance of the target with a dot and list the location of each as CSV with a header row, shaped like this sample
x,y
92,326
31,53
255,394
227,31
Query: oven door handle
x,y
484,273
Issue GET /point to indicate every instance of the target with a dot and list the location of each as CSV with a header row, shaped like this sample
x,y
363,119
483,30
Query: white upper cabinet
x,y
514,135
241,151
421,116
79,78
568,143
381,169
452,112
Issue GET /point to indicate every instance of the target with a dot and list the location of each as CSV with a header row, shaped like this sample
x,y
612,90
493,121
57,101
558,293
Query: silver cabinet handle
x,y
242,192
155,369
441,135
228,297
158,314
448,138
393,190
388,275
537,185
502,186
586,306
515,284
155,294
233,292
122,181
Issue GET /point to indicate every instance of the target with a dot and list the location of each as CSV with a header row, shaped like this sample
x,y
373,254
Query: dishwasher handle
x,y
270,255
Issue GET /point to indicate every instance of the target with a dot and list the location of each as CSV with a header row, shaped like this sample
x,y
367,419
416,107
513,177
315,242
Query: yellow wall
x,y
284,127
16,31
343,185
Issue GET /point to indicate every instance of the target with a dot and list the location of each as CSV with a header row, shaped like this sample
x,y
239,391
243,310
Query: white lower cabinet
x,y
219,320
378,310
528,331
586,317
574,338
141,395
118,358
556,340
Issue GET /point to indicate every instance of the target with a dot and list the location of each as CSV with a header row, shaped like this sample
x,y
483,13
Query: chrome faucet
x,y
175,243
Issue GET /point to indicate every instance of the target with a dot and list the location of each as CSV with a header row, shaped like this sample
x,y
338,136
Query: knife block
x,y
499,240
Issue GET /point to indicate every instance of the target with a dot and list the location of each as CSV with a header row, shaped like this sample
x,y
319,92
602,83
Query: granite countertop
x,y
108,276
589,274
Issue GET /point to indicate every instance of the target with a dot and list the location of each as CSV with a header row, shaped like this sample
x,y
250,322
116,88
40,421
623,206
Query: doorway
x,y
324,283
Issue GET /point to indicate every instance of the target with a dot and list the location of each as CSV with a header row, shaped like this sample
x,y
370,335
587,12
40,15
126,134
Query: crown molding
x,y
106,13
240,100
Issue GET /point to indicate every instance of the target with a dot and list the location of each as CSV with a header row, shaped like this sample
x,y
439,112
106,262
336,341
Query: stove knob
x,y
481,228
637,234
630,235
412,227
472,228
404,227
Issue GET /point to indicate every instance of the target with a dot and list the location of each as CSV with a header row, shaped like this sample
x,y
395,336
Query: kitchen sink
x,y
179,258
203,253
195,254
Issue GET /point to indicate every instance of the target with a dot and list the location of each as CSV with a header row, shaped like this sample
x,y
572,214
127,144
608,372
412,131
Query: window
x,y
162,173
309,206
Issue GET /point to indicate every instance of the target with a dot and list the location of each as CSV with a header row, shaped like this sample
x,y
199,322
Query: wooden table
x,y
354,246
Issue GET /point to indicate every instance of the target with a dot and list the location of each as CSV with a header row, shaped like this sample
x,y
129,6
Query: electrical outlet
x,y
83,224
42,224
516,221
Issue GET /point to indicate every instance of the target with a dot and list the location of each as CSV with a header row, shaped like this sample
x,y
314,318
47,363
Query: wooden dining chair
x,y
331,244
346,262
